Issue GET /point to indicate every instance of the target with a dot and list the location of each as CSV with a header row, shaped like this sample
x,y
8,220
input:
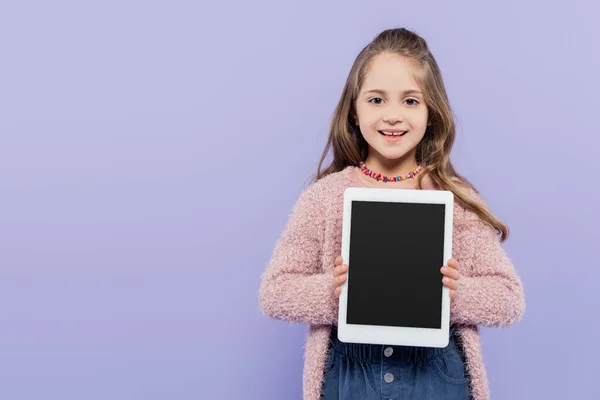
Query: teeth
x,y
393,134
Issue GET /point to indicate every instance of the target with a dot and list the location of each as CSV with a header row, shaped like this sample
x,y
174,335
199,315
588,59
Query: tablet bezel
x,y
392,335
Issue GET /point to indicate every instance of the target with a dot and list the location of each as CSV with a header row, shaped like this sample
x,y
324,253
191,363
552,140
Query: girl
x,y
392,128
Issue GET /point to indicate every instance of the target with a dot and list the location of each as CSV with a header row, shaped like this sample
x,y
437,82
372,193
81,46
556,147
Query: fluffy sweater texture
x,y
298,283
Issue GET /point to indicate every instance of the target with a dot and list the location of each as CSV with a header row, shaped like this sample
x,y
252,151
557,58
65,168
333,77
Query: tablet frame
x,y
392,335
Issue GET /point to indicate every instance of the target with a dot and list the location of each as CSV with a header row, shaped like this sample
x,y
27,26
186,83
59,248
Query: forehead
x,y
391,72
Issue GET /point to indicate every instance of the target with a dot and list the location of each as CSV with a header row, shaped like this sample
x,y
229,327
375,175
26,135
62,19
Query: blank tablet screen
x,y
396,253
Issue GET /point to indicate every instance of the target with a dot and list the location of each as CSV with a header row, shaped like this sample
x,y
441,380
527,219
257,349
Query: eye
x,y
411,102
376,100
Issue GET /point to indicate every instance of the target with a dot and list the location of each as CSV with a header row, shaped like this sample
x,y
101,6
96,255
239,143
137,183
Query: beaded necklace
x,y
384,178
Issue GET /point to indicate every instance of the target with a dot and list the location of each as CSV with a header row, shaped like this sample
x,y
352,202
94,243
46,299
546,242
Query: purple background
x,y
150,154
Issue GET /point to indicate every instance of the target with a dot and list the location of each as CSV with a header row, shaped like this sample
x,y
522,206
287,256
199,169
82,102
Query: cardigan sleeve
x,y
293,287
489,293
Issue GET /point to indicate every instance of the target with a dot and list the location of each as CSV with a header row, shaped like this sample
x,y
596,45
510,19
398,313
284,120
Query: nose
x,y
392,119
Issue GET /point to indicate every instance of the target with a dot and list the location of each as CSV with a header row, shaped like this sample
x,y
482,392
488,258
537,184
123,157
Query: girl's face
x,y
391,112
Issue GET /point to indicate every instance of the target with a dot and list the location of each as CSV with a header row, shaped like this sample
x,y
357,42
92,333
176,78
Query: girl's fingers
x,y
338,260
450,283
341,269
451,273
340,279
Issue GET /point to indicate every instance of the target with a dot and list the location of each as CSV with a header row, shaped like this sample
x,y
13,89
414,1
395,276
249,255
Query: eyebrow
x,y
383,92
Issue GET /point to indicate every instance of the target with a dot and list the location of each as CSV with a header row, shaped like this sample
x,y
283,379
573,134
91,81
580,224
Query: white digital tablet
x,y
395,241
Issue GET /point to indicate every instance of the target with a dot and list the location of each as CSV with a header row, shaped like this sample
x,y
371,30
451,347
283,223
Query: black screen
x,y
396,253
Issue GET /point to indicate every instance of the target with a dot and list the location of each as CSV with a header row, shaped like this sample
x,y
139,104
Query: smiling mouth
x,y
392,134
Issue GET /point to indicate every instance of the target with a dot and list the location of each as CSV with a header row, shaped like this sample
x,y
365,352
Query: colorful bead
x,y
384,178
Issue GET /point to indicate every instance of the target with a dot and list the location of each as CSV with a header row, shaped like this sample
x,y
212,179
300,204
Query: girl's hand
x,y
451,276
339,275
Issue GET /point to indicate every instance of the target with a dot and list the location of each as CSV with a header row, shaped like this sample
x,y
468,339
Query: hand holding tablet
x,y
450,272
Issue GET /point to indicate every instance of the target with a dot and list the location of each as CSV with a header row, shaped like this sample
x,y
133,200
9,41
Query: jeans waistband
x,y
370,353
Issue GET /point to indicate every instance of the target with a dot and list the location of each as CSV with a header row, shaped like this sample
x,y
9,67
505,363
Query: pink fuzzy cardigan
x,y
298,282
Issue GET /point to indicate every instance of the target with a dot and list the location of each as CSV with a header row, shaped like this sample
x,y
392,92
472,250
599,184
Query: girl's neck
x,y
383,166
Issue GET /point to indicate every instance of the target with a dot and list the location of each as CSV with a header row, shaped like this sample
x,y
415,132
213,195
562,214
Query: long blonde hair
x,y
433,152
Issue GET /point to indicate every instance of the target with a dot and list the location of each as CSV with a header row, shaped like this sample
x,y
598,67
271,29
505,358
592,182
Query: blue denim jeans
x,y
375,372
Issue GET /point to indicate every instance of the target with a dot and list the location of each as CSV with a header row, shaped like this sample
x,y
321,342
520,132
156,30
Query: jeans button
x,y
388,378
388,352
